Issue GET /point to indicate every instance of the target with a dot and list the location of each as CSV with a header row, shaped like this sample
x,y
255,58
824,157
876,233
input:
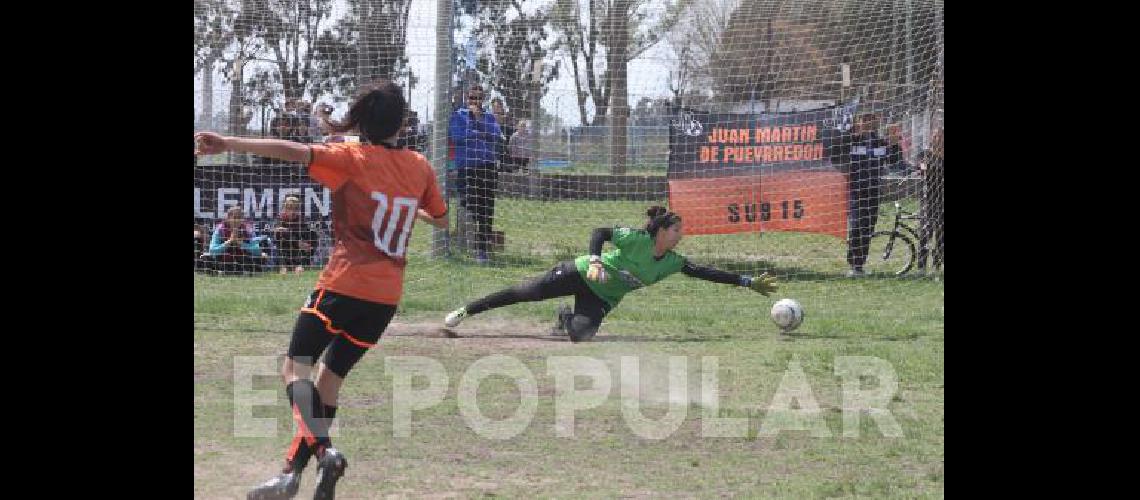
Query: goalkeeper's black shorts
x,y
346,326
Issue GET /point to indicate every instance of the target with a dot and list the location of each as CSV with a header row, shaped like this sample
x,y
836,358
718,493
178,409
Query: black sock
x,y
298,455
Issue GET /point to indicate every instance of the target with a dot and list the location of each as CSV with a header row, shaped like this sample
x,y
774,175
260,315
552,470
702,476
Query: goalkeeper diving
x,y
598,281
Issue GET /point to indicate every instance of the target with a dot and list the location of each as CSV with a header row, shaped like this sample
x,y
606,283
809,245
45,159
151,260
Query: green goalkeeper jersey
x,y
630,266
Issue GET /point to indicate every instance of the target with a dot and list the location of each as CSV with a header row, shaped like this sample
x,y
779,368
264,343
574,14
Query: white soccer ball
x,y
787,314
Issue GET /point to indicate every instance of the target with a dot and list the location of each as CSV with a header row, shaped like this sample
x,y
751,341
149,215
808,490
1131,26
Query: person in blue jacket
x,y
235,247
476,136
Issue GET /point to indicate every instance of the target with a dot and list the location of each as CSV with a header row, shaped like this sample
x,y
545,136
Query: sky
x,y
648,73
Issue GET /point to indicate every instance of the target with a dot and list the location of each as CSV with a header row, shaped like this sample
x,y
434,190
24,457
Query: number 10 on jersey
x,y
385,222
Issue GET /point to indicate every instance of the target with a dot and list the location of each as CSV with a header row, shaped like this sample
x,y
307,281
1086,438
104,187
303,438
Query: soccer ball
x,y
787,314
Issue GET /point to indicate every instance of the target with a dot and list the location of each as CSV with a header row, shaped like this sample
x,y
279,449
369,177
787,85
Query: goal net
x,y
787,134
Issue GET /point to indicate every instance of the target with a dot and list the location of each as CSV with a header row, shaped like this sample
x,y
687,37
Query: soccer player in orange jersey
x,y
378,190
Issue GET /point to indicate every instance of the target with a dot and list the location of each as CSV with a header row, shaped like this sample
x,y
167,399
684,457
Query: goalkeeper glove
x,y
762,284
596,272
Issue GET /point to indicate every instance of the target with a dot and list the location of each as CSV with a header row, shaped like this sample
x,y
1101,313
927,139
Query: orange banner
x,y
800,201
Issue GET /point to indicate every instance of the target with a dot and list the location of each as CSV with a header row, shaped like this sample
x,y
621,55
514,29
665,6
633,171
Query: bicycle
x,y
883,257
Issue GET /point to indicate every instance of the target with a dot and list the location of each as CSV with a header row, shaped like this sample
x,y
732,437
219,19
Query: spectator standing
x,y
476,136
862,154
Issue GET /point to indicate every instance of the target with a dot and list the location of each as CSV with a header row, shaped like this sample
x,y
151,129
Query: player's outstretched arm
x,y
209,143
599,238
762,284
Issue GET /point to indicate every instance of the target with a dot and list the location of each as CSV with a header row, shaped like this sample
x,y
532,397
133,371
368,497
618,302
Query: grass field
x,y
900,321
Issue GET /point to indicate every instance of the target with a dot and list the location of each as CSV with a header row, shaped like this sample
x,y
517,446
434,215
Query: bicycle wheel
x,y
891,253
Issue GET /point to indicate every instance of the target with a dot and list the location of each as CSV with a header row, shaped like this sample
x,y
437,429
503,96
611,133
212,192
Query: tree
x,y
649,112
694,42
290,29
308,54
224,32
772,49
780,49
209,29
617,59
619,31
213,20
513,42
315,56
377,31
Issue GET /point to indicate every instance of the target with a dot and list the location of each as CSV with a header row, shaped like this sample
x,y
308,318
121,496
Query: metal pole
x,y
443,37
909,91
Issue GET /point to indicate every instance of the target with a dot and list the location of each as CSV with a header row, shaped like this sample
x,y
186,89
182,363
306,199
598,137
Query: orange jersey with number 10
x,y
376,191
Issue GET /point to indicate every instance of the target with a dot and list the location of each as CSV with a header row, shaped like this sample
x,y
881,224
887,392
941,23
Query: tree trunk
x,y
208,94
617,65
367,54
237,127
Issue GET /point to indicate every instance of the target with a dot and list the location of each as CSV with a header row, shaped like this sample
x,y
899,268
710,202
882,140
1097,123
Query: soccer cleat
x,y
280,487
482,259
329,469
562,319
455,317
855,272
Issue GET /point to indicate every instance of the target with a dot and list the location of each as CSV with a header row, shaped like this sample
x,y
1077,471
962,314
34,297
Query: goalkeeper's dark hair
x,y
378,112
660,218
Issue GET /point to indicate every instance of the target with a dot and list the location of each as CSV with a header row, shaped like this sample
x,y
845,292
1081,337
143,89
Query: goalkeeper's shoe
x,y
280,487
455,317
329,469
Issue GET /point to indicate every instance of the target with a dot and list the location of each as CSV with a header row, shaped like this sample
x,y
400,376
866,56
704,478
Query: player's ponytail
x,y
659,218
378,112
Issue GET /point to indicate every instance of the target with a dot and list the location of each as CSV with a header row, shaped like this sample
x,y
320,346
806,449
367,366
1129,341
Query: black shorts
x,y
348,327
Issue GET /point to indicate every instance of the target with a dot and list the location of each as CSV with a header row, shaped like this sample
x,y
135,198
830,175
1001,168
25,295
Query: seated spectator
x,y
235,247
294,239
200,243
